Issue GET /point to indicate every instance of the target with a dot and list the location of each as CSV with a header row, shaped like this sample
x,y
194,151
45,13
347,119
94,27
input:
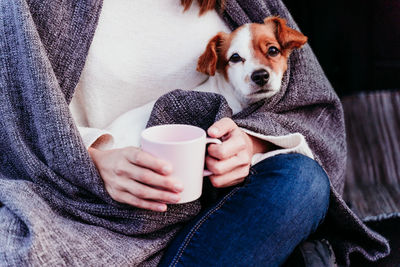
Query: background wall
x,y
357,42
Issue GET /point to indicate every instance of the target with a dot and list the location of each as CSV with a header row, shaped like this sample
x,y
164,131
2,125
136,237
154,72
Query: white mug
x,y
183,146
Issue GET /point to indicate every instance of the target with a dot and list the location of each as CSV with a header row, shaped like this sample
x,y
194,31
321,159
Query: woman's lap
x,y
259,223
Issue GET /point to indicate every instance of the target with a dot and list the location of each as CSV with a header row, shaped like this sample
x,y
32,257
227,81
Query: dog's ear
x,y
287,37
207,62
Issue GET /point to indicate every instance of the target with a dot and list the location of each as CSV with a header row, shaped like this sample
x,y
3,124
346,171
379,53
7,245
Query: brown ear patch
x,y
287,37
207,62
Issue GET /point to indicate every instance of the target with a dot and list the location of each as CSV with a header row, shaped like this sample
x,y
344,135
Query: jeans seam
x,y
198,225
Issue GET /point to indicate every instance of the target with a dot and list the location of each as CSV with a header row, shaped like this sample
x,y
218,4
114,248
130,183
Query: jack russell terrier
x,y
245,66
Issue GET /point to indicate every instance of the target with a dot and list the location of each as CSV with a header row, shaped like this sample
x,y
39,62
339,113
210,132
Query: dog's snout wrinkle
x,y
260,77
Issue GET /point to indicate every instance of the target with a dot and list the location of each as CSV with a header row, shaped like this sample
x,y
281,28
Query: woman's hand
x,y
230,161
134,177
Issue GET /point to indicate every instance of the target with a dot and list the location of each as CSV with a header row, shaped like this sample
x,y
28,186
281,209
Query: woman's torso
x,y
135,57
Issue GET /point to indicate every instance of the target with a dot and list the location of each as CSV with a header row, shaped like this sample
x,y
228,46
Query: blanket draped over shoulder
x,y
54,209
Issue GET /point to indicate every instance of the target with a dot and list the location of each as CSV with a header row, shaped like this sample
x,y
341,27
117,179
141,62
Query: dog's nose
x,y
260,77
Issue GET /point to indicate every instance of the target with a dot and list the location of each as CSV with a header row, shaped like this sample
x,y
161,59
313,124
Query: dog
x,y
245,66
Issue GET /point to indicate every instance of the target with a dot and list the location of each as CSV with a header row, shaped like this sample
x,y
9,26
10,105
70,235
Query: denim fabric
x,y
260,222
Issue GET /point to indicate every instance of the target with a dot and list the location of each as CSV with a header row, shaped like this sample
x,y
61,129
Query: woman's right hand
x,y
134,177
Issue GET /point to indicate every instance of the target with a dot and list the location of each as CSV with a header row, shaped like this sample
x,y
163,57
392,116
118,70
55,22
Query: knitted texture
x,y
55,210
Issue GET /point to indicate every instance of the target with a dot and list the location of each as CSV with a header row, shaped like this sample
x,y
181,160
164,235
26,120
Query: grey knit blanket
x,y
54,209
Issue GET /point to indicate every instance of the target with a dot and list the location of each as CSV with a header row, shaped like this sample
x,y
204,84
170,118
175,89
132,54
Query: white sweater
x,y
135,59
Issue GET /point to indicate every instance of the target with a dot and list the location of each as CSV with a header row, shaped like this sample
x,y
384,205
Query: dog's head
x,y
252,58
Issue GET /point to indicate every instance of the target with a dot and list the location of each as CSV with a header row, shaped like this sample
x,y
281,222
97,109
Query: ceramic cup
x,y
184,146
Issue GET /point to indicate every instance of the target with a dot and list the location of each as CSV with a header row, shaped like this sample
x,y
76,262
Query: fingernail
x,y
178,187
167,169
175,198
162,207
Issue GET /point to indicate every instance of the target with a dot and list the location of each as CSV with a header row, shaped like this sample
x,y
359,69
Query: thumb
x,y
221,128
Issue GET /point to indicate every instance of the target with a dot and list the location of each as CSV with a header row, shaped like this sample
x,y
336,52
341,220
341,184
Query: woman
x,y
282,201
131,176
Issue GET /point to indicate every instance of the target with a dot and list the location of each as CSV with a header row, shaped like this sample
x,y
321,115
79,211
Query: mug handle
x,y
211,141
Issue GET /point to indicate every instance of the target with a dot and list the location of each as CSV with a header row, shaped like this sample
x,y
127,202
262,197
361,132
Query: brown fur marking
x,y
205,5
274,32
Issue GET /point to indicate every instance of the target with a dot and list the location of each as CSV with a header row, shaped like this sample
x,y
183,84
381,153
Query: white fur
x,y
239,74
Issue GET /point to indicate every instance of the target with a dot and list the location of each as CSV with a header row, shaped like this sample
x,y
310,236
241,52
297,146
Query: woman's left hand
x,y
230,161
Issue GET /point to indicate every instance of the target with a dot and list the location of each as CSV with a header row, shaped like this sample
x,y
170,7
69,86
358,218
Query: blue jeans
x,y
260,222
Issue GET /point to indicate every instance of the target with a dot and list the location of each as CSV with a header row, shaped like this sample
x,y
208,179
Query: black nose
x,y
260,77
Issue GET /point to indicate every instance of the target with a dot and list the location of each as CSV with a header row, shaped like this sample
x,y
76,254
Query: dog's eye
x,y
235,58
273,51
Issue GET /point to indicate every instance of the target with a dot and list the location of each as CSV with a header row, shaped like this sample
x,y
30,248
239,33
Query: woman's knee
x,y
302,178
311,176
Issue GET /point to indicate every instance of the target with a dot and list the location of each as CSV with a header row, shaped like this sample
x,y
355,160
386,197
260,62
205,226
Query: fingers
x,y
219,167
146,160
148,177
137,178
230,161
230,147
221,128
139,195
145,192
127,198
231,178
